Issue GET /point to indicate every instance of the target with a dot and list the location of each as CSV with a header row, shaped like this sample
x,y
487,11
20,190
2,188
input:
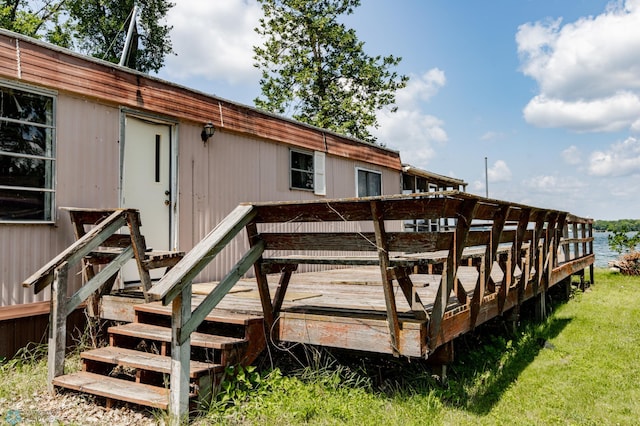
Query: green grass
x,y
578,367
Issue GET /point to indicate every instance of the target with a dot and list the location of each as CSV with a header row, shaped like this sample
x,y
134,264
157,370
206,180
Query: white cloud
x,y
492,136
553,185
213,40
410,130
572,155
499,172
621,159
588,71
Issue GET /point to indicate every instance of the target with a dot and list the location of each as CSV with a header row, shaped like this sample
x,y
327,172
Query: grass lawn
x,y
581,366
578,367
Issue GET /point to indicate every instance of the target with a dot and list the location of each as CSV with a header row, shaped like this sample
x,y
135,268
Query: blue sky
x,y
547,90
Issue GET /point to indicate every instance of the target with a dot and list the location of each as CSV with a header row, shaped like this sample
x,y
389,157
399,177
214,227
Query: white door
x,y
146,184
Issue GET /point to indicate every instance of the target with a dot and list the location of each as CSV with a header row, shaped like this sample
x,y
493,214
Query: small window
x,y
301,167
369,183
27,155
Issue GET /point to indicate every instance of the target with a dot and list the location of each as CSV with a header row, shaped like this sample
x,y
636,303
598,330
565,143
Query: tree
x,y
100,30
95,27
314,68
621,241
38,19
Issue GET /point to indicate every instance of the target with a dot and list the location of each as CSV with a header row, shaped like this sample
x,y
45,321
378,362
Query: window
x,y
307,171
301,170
27,155
369,183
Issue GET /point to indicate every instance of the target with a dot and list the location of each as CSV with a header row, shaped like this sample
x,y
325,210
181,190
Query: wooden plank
x,y
357,241
572,267
200,256
92,239
163,334
353,333
408,207
109,387
212,299
100,278
216,315
145,361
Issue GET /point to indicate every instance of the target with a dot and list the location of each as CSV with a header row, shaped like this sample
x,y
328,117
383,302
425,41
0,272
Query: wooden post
x,y
57,325
180,357
449,273
387,283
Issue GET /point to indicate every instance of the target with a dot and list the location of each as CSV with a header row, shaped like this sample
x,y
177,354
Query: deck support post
x,y
180,357
57,325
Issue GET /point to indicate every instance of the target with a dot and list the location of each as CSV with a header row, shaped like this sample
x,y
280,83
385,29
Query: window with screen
x,y
27,155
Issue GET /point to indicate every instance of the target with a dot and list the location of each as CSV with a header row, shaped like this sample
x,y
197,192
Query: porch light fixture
x,y
207,131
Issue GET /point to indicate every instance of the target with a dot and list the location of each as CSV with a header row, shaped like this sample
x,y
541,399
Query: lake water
x,y
601,249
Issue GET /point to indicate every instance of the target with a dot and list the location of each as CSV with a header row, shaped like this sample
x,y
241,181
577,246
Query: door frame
x,y
173,163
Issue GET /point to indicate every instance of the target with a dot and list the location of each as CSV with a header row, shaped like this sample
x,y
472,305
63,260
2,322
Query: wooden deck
x,y
388,291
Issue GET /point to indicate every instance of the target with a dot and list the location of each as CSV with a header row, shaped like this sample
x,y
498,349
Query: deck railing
x,y
530,246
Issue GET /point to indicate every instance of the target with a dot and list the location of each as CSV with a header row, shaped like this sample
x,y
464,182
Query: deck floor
x,y
352,289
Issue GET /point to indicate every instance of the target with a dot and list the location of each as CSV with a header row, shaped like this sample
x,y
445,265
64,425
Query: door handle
x,y
167,192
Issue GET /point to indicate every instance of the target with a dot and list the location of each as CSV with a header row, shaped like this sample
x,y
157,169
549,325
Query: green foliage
x,y
623,242
315,69
242,385
95,27
617,225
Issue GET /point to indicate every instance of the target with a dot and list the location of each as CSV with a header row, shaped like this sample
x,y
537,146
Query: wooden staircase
x,y
136,366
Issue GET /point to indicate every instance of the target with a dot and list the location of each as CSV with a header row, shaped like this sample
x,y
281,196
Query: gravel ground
x,y
71,408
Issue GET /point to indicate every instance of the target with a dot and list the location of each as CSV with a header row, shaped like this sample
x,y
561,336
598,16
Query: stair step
x,y
146,361
163,334
216,315
122,390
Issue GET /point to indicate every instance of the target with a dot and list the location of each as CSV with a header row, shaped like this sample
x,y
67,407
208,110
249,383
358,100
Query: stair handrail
x,y
76,251
181,275
175,288
55,273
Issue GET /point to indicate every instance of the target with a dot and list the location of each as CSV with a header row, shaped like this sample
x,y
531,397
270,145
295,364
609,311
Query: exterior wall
x,y
217,176
87,153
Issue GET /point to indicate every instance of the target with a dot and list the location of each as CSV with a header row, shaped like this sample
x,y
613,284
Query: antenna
x,y
127,42
486,177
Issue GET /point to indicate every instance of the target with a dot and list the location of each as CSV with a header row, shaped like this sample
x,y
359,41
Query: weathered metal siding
x,y
29,60
87,155
247,159
215,177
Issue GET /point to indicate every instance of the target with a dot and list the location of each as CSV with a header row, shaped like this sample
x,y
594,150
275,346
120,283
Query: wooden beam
x,y
465,216
261,277
413,298
283,285
491,250
387,284
170,285
100,278
139,248
356,241
92,239
215,296
57,325
180,358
